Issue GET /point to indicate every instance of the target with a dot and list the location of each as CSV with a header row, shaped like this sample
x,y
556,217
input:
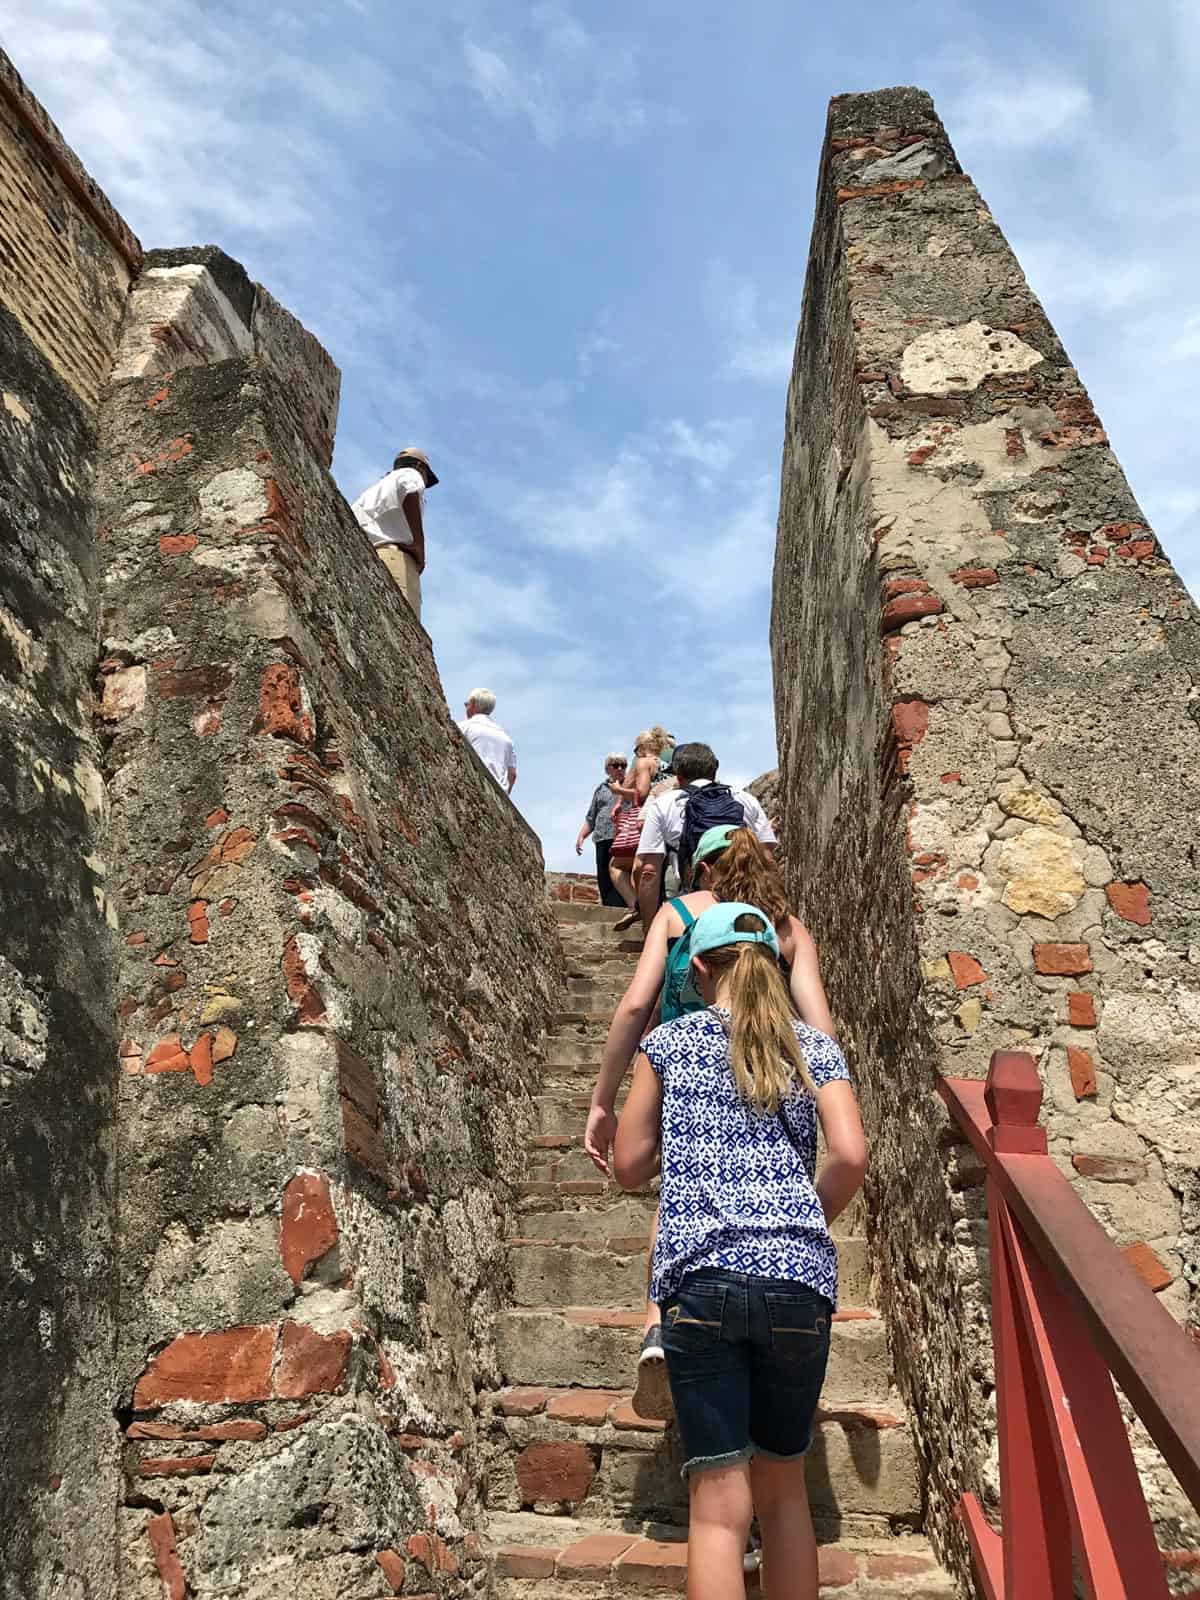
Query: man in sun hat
x,y
391,514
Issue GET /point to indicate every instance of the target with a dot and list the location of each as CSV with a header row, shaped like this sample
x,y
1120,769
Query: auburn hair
x,y
764,1051
745,872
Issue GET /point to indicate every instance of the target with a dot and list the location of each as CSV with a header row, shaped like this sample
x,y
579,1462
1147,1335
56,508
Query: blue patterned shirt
x,y
736,1193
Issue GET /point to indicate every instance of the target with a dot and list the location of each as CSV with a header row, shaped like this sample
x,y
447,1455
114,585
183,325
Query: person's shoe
x,y
627,921
752,1560
652,1397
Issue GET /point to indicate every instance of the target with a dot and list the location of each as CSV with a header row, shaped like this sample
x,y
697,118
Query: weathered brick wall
x,y
579,888
990,822
66,257
64,269
337,962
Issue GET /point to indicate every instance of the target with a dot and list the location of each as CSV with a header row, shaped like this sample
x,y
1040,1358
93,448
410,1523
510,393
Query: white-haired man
x,y
488,739
391,514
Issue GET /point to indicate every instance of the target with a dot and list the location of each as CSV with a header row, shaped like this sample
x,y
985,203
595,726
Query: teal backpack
x,y
680,994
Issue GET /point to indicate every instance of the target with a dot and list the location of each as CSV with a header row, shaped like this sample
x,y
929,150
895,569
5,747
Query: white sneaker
x,y
652,1397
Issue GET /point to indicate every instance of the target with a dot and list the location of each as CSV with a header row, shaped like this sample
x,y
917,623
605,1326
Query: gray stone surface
x,y
324,904
1017,766
58,326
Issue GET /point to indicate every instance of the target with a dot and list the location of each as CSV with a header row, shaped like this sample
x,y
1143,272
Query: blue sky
x,y
563,246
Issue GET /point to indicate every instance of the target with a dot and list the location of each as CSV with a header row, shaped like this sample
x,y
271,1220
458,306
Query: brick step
x,y
597,1348
566,1558
588,1452
611,1271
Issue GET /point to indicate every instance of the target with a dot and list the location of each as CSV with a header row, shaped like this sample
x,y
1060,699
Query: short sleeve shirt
x,y
492,745
736,1193
380,509
662,821
599,813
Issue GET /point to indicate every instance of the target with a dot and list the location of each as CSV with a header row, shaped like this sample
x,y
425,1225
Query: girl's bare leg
x,y
789,1546
622,882
718,1526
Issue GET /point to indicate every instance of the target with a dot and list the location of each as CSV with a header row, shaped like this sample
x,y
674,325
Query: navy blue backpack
x,y
708,805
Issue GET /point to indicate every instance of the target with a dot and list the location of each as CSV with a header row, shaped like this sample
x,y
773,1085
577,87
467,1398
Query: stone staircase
x,y
585,1497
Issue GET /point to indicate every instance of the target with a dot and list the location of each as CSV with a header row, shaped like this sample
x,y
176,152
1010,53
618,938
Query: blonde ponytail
x,y
764,1051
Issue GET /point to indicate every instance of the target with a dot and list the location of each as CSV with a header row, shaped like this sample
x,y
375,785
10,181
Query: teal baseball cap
x,y
712,842
714,928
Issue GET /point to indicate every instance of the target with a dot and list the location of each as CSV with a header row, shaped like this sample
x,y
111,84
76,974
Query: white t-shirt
x,y
380,509
662,820
492,745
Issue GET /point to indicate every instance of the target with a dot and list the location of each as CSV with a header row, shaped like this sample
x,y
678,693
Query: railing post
x,y
1014,1100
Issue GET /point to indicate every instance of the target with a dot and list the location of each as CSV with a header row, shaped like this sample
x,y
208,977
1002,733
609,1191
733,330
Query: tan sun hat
x,y
411,453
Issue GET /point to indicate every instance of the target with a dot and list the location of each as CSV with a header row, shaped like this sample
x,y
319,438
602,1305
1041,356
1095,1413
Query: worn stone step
x,y
568,912
564,1274
588,1451
568,1558
574,1052
538,1193
561,1163
594,992
588,950
605,1218
597,1194
611,1270
597,1348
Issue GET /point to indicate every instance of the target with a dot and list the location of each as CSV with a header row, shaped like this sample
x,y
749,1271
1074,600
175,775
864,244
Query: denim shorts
x,y
746,1359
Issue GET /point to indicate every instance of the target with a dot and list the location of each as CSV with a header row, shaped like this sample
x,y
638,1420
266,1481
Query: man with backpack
x,y
672,823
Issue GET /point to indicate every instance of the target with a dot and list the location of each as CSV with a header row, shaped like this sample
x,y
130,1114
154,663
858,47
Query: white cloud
x,y
1064,271
552,72
593,349
510,93
1015,111
703,541
759,345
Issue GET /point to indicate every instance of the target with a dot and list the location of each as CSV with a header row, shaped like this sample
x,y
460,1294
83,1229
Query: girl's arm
x,y
808,992
636,1152
628,1025
845,1163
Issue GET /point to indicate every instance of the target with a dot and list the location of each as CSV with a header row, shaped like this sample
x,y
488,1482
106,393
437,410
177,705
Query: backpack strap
x,y
682,912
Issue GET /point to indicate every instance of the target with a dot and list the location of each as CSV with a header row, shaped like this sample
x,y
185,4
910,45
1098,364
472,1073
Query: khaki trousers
x,y
404,571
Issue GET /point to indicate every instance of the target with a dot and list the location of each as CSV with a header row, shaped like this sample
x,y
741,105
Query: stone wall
x,y
65,264
337,961
990,820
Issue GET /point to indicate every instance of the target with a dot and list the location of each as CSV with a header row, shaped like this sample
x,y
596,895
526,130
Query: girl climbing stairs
x,y
585,1496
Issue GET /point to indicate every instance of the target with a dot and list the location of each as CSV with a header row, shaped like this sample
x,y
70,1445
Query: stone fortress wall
x,y
66,262
990,814
275,949
277,955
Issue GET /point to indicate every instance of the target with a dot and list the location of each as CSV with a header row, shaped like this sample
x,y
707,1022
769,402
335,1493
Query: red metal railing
x,y
1069,1314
